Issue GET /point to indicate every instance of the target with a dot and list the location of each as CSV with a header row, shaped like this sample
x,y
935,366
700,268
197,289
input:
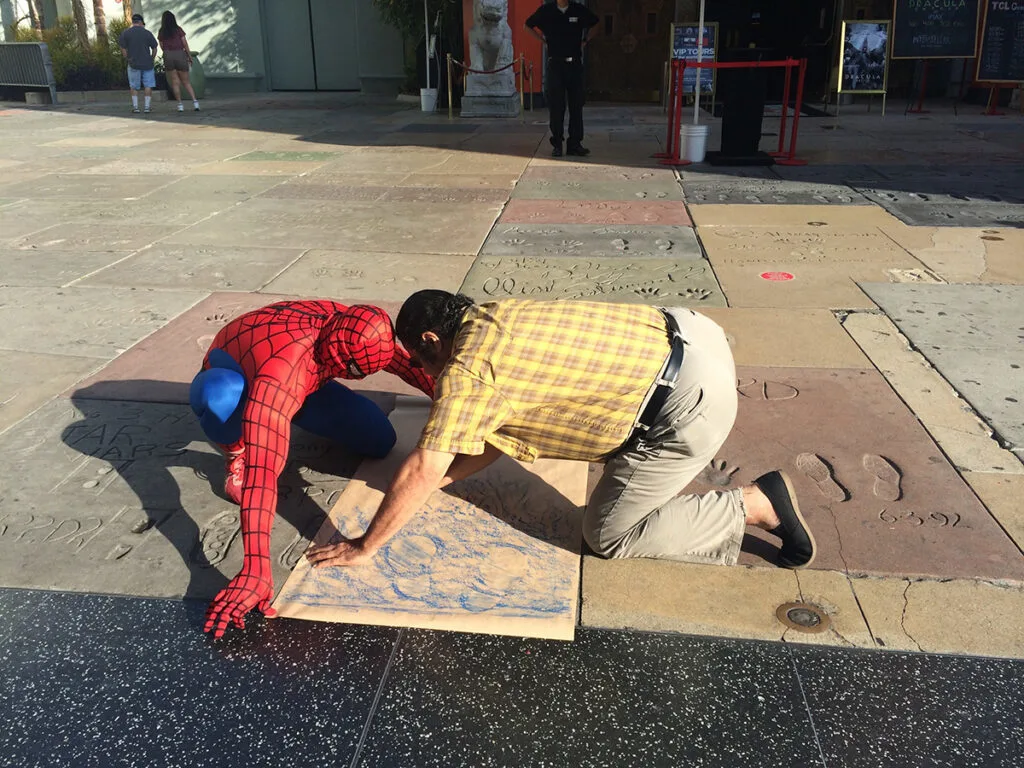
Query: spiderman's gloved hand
x,y
252,588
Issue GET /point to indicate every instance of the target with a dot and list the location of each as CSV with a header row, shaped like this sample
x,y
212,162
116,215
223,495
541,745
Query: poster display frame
x,y
672,51
842,50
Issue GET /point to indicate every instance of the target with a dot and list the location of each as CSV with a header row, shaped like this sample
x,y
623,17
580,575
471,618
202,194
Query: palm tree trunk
x,y
127,7
100,17
78,9
35,17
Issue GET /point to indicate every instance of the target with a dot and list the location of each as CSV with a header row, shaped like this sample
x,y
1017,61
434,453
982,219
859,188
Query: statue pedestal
x,y
490,96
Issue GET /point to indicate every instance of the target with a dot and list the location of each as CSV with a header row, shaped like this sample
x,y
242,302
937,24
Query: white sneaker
x,y
181,107
135,110
195,105
147,110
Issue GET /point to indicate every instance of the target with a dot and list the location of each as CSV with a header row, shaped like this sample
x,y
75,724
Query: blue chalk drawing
x,y
498,554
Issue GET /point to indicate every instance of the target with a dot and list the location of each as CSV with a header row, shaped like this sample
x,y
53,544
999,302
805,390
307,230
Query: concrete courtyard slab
x,y
991,215
972,334
198,268
662,596
477,180
160,367
334,225
964,254
659,282
265,168
563,173
359,275
125,498
791,285
85,322
122,235
592,241
798,338
30,379
873,486
655,188
842,217
767,192
33,267
960,616
652,213
1001,494
963,437
84,187
808,245
232,189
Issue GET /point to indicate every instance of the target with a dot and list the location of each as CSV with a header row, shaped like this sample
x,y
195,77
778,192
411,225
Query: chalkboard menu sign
x,y
935,29
1001,59
684,46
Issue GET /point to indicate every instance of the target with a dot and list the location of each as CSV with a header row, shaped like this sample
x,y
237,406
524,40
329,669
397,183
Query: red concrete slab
x,y
160,367
875,489
519,211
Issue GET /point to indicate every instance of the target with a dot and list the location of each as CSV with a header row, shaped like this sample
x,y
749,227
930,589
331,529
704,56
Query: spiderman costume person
x,y
269,369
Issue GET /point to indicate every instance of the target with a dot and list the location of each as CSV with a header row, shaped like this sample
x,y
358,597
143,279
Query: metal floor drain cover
x,y
803,617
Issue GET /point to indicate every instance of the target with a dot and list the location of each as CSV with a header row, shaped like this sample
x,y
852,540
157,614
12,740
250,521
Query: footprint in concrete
x,y
821,473
887,476
663,245
216,538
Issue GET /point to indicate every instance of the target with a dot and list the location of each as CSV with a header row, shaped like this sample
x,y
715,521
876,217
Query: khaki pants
x,y
634,511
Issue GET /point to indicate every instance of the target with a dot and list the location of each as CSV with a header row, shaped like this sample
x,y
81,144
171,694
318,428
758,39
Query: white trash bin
x,y
428,99
694,142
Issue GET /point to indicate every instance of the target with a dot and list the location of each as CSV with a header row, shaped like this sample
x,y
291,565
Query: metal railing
x,y
524,73
27,65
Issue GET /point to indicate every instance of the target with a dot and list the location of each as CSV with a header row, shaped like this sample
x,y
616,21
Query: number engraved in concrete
x,y
912,519
754,389
821,472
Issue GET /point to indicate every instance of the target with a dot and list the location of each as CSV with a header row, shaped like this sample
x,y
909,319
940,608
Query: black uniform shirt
x,y
563,30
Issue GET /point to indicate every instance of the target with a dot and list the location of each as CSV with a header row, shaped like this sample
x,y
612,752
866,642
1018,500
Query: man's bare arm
x,y
465,465
533,31
417,477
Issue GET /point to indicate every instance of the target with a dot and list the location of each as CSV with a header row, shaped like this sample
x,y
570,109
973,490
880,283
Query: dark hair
x,y
168,26
430,310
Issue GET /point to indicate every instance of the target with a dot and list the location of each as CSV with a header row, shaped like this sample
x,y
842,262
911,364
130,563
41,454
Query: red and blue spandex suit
x,y
269,369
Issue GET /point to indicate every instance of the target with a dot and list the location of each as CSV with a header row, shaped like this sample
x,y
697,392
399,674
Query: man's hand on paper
x,y
352,552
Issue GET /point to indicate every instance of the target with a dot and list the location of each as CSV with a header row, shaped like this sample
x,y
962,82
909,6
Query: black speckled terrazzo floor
x,y
111,681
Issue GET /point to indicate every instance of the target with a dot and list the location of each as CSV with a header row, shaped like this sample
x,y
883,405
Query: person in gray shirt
x,y
139,46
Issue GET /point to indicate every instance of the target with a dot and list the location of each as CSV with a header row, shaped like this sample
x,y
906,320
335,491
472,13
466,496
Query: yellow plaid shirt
x,y
558,379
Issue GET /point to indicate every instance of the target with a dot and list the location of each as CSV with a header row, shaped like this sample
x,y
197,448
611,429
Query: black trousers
x,y
565,86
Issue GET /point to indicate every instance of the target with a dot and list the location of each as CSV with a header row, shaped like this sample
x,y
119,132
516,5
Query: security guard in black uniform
x,y
564,26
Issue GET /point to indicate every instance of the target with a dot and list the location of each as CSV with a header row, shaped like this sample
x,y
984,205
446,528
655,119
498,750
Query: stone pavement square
x,y
160,367
786,284
85,322
965,255
86,187
562,174
655,281
767,192
31,379
592,241
973,335
232,189
873,486
651,213
198,268
364,276
124,497
959,214
121,235
656,188
798,338
387,227
837,217
22,267
809,245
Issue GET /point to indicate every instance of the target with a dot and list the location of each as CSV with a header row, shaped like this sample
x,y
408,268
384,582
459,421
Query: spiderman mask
x,y
357,343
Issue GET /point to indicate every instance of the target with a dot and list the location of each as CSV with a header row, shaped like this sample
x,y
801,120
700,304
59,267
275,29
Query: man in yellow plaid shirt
x,y
649,392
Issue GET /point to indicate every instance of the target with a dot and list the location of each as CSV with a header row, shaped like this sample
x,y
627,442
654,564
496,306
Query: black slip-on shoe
x,y
798,546
578,151
556,151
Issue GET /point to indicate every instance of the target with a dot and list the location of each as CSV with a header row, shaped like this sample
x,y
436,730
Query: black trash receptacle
x,y
743,93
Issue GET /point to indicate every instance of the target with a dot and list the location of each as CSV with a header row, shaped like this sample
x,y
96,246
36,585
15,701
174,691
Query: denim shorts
x,y
141,78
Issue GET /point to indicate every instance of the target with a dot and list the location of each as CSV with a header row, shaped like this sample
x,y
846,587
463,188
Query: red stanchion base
x,y
790,161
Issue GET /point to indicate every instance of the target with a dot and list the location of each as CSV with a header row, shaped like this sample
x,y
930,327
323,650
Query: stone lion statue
x,y
490,39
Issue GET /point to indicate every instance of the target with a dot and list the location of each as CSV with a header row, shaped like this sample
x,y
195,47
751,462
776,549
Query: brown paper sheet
x,y
497,553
